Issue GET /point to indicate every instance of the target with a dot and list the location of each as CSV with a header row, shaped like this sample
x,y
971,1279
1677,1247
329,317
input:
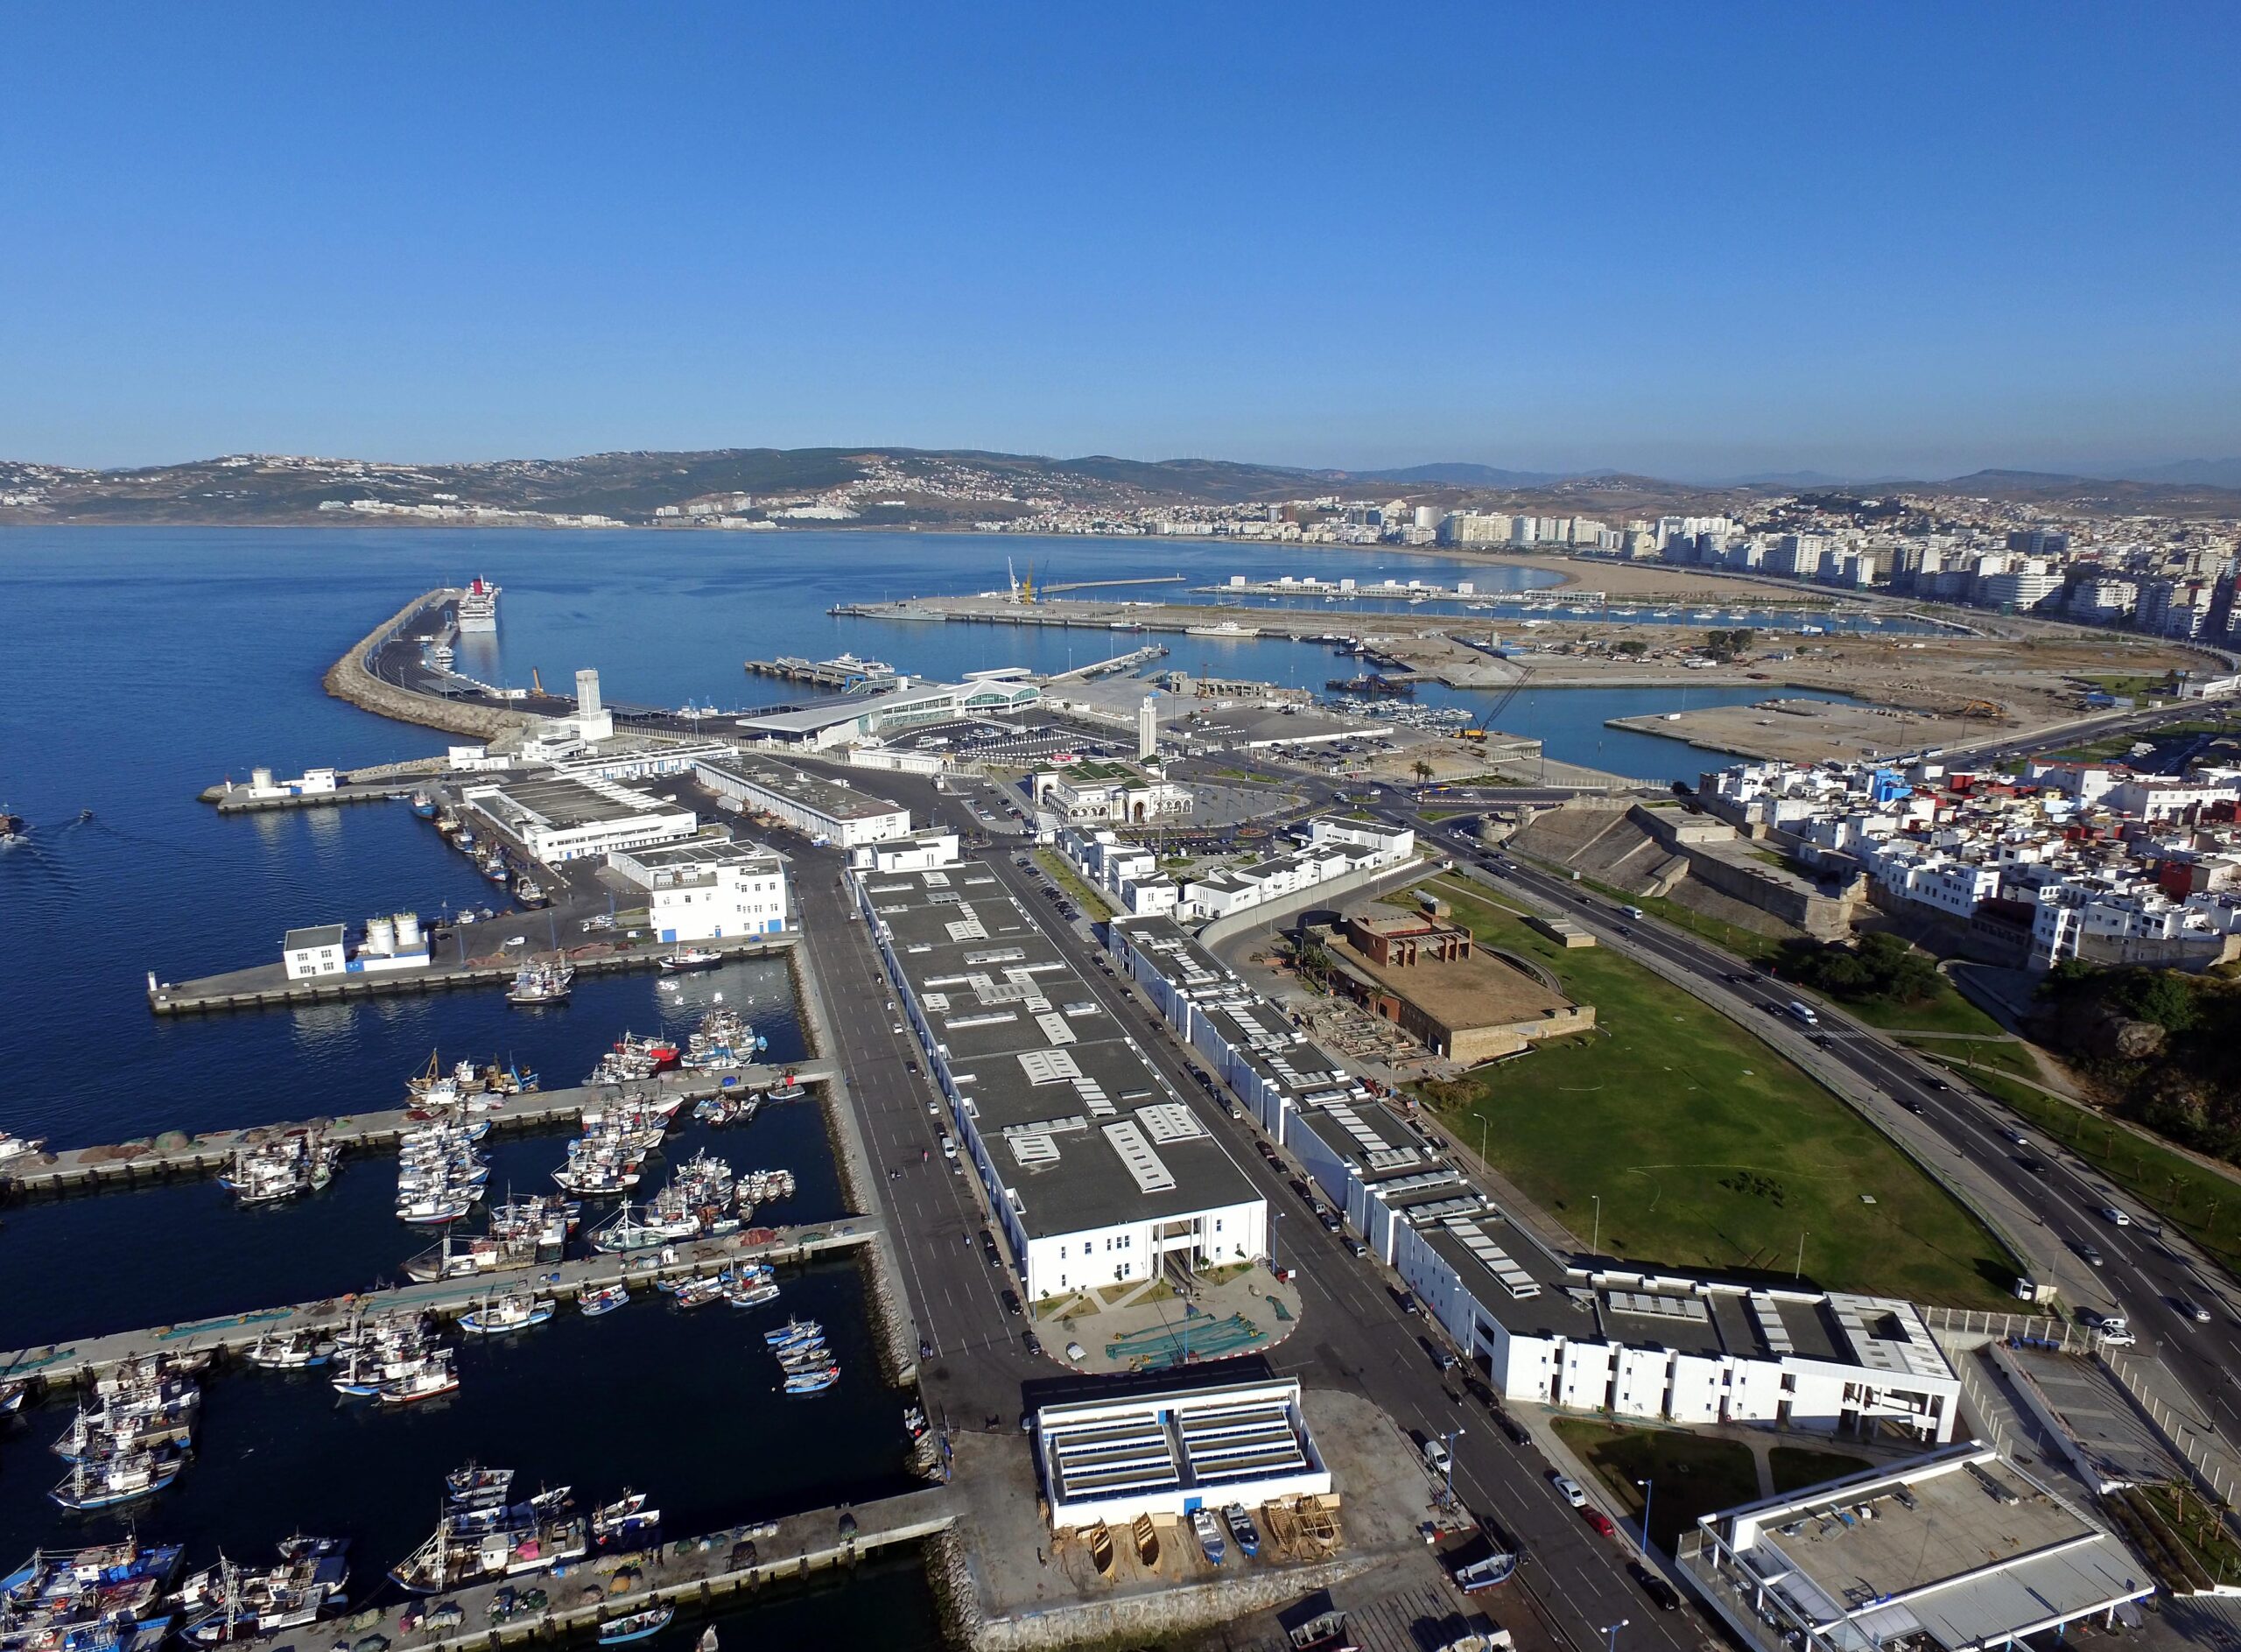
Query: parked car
x,y
1406,1299
1601,1522
1667,1598
1569,1489
1032,1343
1436,1456
1012,1306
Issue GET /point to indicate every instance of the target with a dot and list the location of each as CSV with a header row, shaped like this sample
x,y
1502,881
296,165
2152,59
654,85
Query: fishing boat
x,y
423,805
516,1312
787,1089
1208,1532
812,1381
432,1376
634,1227
476,1486
433,1210
529,893
637,1626
541,981
236,1604
95,1438
794,1331
13,1147
624,1522
698,1291
748,1291
119,1480
1242,1529
12,1397
1489,1571
511,1540
678,960
596,1300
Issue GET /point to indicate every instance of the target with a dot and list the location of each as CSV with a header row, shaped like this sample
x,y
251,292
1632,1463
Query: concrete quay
x,y
134,1163
269,987
232,1333
239,799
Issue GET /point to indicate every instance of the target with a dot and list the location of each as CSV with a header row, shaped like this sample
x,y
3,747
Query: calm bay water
x,y
142,666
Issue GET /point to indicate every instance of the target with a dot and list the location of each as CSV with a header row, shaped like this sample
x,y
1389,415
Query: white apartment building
x,y
710,889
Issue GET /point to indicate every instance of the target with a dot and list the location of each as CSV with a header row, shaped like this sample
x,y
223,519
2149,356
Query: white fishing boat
x,y
517,1310
542,982
698,1291
681,958
433,1376
119,1480
625,1521
601,1299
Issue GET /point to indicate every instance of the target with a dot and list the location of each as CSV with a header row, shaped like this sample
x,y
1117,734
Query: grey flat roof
x,y
317,935
979,965
562,802
699,852
835,799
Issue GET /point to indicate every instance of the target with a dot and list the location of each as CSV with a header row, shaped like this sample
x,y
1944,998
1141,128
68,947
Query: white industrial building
x,y
707,889
1098,1172
1962,1550
831,724
317,949
557,818
392,941
1170,1452
1332,848
823,811
1543,1328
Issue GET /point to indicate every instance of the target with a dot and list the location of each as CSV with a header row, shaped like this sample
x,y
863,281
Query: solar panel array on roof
x,y
1514,1279
1393,1158
1130,1455
1049,1066
1170,1121
1151,1174
1349,1121
1767,1316
1654,1306
1230,1443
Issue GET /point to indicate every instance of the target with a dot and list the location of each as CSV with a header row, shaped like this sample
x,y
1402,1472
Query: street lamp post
x,y
1448,1439
1595,1245
1801,1238
1610,1633
1482,1138
1649,1489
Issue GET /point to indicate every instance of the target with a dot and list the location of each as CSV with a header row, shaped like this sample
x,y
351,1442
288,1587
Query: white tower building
x,y
1147,727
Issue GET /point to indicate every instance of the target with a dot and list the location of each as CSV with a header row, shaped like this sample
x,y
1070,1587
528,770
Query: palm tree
x,y
1423,770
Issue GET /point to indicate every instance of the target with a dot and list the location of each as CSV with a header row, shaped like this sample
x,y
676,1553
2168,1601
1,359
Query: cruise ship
x,y
477,607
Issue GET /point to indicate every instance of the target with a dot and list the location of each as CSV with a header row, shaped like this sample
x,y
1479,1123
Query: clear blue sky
x,y
1688,240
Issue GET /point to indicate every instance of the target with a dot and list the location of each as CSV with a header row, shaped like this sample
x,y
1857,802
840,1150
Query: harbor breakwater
x,y
351,678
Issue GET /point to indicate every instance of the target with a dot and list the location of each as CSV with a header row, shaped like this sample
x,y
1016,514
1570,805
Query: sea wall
x,y
349,679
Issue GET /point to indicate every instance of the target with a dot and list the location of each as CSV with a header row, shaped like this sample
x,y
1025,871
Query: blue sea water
x,y
142,666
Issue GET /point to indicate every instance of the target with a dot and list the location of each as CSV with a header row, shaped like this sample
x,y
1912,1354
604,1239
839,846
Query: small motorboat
x,y
516,1313
476,1486
1241,1527
1209,1534
597,1300
698,1291
637,1626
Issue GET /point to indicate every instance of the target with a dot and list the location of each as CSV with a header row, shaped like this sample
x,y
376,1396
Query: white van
x,y
1802,1013
1635,912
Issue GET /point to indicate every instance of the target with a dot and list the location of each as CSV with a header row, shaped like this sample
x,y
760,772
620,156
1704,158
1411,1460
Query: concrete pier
x,y
136,1163
269,986
239,799
61,1363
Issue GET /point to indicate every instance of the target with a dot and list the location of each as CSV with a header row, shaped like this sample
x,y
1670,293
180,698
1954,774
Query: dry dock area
x,y
163,1159
269,987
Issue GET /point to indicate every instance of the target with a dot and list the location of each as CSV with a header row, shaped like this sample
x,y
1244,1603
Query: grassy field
x,y
2203,1204
2004,1055
1092,903
1690,1474
1705,1147
1945,1011
1794,1468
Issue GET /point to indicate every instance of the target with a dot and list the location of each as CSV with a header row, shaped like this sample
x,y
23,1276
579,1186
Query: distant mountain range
x,y
902,486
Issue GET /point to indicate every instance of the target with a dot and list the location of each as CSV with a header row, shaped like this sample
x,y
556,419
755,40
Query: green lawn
x,y
2004,1055
1092,904
1690,1475
2203,1204
1945,1011
1707,1149
1794,1468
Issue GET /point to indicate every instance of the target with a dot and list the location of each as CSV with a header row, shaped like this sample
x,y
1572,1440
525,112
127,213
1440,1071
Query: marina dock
x,y
134,1163
234,1331
269,986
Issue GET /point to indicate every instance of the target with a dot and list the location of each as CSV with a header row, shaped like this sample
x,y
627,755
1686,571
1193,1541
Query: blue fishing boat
x,y
636,1627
